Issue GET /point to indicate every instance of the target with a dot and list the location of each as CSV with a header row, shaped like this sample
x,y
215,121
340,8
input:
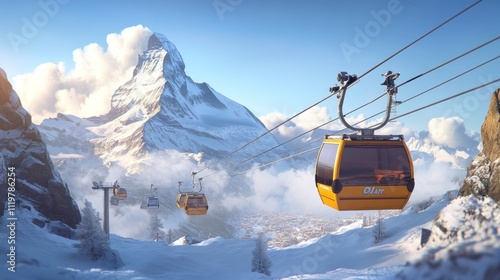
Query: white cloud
x,y
317,116
434,178
291,191
306,121
129,221
449,132
396,128
85,90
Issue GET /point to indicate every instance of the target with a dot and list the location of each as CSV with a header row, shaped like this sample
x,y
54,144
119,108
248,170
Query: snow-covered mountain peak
x,y
158,41
160,83
154,69
161,107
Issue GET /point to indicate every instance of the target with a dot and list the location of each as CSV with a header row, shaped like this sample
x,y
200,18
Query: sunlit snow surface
x,y
348,253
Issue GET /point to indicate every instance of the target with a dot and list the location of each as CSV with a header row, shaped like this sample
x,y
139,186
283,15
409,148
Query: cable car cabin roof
x,y
196,204
364,174
356,137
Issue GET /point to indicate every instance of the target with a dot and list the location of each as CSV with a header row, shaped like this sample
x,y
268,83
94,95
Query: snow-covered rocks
x,y
464,243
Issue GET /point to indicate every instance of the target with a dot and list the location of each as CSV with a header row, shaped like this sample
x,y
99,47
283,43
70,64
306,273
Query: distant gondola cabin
x,y
196,204
153,202
361,174
114,200
121,193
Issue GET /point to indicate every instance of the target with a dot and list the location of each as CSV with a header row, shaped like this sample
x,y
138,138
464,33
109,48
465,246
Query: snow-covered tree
x,y
156,229
260,261
93,240
365,221
379,229
170,236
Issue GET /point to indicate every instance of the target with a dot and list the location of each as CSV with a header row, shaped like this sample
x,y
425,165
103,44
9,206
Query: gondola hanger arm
x,y
347,80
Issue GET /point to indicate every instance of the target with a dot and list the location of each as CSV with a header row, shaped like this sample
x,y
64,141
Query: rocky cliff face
x,y
483,174
38,185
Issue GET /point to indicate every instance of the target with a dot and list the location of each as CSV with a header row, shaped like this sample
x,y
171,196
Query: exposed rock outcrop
x,y
483,174
37,183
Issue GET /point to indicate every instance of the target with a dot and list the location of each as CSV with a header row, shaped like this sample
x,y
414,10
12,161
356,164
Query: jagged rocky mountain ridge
x,y
38,185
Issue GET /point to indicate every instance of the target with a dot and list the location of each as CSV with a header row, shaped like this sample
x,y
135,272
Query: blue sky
x,y
280,56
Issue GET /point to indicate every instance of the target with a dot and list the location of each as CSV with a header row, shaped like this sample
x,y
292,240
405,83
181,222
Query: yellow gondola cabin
x,y
196,204
364,173
121,193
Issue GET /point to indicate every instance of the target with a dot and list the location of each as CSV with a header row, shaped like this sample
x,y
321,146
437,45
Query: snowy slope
x,y
348,253
464,244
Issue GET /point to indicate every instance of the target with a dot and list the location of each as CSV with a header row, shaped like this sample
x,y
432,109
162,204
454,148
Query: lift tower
x,y
100,186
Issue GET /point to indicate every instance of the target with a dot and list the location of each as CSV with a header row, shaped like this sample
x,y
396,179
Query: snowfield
x,y
348,253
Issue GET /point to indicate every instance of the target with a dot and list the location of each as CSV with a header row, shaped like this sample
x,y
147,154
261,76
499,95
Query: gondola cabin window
x,y
326,163
197,201
383,165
